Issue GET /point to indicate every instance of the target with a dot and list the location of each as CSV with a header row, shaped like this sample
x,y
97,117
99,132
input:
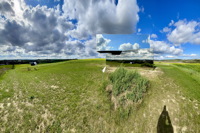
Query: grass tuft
x,y
131,83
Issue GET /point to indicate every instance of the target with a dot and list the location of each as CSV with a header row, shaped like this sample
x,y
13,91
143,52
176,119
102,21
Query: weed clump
x,y
128,85
148,65
127,89
28,69
13,66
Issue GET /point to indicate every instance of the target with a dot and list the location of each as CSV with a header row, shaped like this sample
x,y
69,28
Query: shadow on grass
x,y
164,123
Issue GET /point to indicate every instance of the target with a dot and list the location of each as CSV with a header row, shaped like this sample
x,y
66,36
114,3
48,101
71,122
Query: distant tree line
x,y
39,61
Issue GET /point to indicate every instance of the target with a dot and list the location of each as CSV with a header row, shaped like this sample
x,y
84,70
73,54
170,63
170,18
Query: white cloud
x,y
126,46
154,36
6,8
171,23
139,30
136,46
185,32
43,31
129,46
166,29
189,55
193,55
170,56
102,16
102,43
159,57
41,26
161,47
38,31
140,54
47,31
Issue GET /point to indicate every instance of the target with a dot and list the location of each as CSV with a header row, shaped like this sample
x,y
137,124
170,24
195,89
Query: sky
x,y
137,54
121,42
36,29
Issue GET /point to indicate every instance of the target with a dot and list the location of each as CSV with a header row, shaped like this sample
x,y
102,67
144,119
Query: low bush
x,y
128,83
13,66
147,65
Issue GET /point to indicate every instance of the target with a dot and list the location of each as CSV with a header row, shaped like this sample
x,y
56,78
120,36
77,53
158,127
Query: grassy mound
x,y
127,86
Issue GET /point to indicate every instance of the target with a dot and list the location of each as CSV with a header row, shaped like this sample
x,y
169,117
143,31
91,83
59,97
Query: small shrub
x,y
147,65
122,100
124,113
122,80
130,84
55,127
28,68
130,96
13,66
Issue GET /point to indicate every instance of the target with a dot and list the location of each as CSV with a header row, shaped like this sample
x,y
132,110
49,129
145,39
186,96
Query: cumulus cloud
x,y
154,36
90,48
48,31
45,29
189,55
6,8
39,29
136,46
178,33
185,32
166,29
102,16
82,49
13,33
129,46
139,54
102,43
161,47
170,56
171,23
126,46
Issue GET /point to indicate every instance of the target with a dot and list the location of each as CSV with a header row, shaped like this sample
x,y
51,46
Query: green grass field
x,y
71,96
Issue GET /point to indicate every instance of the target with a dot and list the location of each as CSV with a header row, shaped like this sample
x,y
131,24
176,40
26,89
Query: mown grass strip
x,y
190,86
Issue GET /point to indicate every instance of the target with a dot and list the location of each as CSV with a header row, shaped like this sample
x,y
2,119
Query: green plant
x,y
13,66
124,80
147,65
28,68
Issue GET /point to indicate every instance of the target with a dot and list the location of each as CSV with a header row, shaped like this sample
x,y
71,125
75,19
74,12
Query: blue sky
x,y
49,3
158,14
68,28
163,11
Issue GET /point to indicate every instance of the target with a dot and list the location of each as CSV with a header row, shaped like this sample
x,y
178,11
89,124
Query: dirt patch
x,y
110,69
109,88
54,87
1,105
146,72
150,73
